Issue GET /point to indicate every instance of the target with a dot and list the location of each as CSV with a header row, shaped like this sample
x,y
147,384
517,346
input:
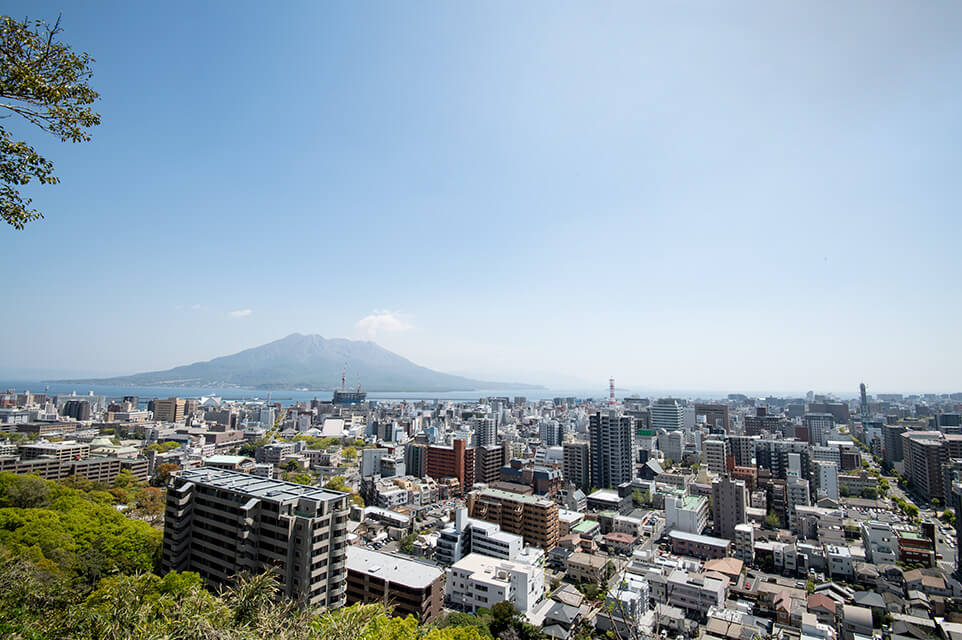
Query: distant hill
x,y
311,362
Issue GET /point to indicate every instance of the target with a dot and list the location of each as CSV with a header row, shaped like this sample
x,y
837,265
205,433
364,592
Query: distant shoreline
x,y
110,382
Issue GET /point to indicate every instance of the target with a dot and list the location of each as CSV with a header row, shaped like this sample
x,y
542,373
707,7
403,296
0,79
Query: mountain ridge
x,y
310,361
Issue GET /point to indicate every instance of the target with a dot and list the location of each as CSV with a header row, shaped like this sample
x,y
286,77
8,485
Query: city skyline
x,y
752,198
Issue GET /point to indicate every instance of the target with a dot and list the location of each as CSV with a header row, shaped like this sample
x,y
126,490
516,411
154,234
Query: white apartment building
x,y
744,543
629,597
880,542
798,494
688,513
477,581
628,524
714,455
840,563
826,474
695,593
469,535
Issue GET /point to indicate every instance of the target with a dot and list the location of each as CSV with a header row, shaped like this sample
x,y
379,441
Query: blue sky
x,y
757,196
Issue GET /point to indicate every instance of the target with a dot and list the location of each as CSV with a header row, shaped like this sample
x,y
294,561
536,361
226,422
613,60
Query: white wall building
x,y
688,513
477,581
695,593
744,547
880,542
827,474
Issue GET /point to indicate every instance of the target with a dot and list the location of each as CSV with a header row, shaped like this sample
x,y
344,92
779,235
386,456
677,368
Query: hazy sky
x,y
711,195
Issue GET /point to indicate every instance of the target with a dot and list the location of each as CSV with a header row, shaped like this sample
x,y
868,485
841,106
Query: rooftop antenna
x,y
343,376
611,391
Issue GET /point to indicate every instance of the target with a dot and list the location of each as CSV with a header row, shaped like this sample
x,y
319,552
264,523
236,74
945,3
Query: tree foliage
x,y
45,83
69,533
178,607
772,519
162,474
501,621
162,447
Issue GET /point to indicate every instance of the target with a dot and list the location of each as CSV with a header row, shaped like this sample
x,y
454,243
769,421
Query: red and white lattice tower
x,y
611,391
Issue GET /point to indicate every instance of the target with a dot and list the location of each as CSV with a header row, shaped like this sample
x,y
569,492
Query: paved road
x,y
944,543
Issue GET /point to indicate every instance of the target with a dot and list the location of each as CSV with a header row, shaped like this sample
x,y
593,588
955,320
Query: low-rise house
x,y
856,621
695,593
673,619
823,608
873,601
619,543
587,568
699,546
928,582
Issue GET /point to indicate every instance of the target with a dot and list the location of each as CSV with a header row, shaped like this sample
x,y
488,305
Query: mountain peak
x,y
313,362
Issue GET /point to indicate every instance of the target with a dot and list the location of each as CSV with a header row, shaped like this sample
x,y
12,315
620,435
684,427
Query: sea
x,y
116,392
112,392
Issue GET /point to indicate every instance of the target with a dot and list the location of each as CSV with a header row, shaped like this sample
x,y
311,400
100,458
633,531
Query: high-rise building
x,y
761,422
485,431
744,546
667,414
577,465
76,409
169,410
686,513
456,461
825,474
716,415
550,432
796,493
956,500
266,416
371,461
729,500
925,453
612,448
672,444
892,444
534,519
742,448
839,410
221,523
414,455
819,426
715,454
488,462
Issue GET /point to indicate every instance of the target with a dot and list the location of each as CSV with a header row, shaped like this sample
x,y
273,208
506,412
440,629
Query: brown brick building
x,y
456,461
533,518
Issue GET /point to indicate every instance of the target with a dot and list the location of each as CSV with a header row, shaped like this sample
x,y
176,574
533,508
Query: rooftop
x,y
487,569
256,486
517,497
699,539
222,459
604,494
391,568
